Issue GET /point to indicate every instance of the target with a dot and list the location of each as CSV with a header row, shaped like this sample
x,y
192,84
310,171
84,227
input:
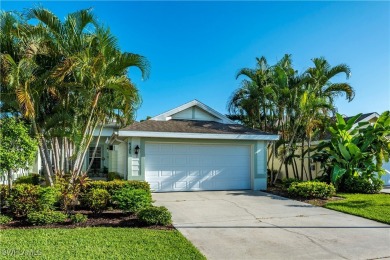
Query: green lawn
x,y
371,206
96,243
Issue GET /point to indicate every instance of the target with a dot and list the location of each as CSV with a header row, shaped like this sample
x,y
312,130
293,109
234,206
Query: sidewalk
x,y
386,189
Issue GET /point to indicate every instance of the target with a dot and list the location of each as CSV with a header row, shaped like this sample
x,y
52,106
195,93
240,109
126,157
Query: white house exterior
x,y
192,148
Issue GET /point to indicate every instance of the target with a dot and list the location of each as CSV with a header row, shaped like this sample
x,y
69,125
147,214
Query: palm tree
x,y
322,93
67,78
319,77
260,91
102,70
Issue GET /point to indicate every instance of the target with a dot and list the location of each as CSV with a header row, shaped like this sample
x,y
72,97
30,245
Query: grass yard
x,y
96,243
371,206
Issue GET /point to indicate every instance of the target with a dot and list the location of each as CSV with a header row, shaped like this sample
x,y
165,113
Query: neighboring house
x,y
316,167
191,148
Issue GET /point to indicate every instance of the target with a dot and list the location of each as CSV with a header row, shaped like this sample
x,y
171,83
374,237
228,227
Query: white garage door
x,y
188,167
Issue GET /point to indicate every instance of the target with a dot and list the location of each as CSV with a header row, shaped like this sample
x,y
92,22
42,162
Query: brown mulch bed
x,y
114,218
278,190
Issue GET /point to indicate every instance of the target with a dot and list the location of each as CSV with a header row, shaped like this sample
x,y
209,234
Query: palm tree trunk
x,y
96,146
9,173
309,158
45,161
302,158
79,155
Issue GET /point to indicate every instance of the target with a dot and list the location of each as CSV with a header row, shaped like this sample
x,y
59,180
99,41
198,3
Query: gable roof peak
x,y
168,115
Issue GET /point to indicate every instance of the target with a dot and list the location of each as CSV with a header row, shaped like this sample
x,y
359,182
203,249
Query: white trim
x,y
167,115
366,119
124,133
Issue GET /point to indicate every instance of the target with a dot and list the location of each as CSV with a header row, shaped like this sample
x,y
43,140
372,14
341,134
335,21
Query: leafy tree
x,y
17,149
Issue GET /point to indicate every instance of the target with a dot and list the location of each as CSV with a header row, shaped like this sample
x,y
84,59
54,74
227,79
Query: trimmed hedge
x,y
46,217
130,200
312,189
358,184
26,198
113,186
32,178
97,200
155,216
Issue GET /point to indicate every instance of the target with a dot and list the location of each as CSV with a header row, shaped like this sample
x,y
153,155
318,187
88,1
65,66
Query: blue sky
x,y
196,48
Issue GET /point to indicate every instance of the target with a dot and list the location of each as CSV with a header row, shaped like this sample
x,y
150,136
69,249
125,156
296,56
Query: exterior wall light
x,y
136,149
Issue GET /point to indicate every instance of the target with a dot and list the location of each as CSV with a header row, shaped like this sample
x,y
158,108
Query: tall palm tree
x,y
320,76
322,92
67,78
102,70
260,88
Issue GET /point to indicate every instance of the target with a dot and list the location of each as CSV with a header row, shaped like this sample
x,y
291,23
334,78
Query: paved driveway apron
x,y
257,225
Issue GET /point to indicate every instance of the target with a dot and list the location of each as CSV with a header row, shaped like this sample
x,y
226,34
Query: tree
x,y
71,79
296,106
17,149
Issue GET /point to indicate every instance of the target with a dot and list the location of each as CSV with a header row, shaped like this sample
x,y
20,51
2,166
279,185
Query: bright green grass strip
x,y
95,243
371,206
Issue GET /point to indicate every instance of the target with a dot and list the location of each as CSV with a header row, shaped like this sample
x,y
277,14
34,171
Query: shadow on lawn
x,y
354,204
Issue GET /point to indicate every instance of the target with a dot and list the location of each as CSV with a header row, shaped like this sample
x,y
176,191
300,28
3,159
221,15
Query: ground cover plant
x,y
97,243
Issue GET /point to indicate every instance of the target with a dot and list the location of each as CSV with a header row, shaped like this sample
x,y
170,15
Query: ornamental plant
x,y
355,149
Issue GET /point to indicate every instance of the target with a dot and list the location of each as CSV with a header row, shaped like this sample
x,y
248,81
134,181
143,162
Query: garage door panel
x,y
186,167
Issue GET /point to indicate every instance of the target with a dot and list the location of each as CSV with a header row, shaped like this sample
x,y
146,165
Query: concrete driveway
x,y
257,225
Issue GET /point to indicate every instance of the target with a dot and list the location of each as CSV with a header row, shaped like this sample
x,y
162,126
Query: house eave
x,y
124,133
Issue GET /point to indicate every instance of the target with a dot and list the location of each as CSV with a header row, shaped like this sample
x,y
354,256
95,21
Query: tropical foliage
x,y
66,78
356,150
296,106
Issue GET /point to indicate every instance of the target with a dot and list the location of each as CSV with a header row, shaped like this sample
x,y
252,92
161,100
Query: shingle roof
x,y
191,126
360,117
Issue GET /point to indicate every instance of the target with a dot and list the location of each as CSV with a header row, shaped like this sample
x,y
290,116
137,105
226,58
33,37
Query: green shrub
x,y
46,217
130,200
4,195
24,198
32,178
287,182
155,216
71,190
5,219
49,198
115,185
113,176
78,218
358,184
97,200
311,189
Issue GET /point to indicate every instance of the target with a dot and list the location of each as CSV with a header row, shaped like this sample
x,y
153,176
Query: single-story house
x,y
191,148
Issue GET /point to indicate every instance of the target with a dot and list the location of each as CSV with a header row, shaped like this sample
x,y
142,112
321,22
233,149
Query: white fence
x,y
15,175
